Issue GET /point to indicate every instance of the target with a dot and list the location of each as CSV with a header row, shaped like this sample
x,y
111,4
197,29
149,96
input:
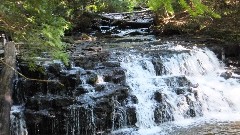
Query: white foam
x,y
18,125
217,99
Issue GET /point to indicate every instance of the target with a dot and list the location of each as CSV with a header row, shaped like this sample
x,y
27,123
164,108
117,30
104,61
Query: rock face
x,y
230,55
92,96
185,91
89,98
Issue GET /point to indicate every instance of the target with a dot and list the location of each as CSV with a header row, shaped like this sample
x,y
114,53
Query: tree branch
x,y
31,79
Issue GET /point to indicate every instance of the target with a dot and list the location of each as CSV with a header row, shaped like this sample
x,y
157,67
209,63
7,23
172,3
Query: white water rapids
x,y
212,98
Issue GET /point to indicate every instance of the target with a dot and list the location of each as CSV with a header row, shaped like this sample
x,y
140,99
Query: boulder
x,y
162,113
158,96
226,75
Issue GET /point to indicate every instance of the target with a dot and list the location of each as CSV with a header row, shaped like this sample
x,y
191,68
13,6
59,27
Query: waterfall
x,y
18,125
139,73
177,83
148,89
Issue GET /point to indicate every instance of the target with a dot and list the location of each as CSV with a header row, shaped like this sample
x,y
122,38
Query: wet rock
x,y
91,60
162,113
171,30
177,81
158,96
45,102
232,50
119,118
107,75
37,117
131,116
194,85
93,48
119,79
78,70
115,75
113,92
103,111
158,66
42,122
191,112
82,89
32,104
236,70
56,88
121,94
132,99
86,63
55,68
119,76
105,29
80,120
232,61
70,79
25,70
30,88
134,33
226,75
82,105
100,87
110,114
111,64
181,90
60,102
91,78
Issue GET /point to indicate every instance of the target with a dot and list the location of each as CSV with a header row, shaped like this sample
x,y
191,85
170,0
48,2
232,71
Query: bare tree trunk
x,y
6,85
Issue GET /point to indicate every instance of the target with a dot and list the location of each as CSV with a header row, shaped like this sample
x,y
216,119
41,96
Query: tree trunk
x,y
6,85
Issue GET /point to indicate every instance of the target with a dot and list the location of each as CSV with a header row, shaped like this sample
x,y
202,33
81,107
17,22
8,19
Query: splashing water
x,y
18,125
140,82
190,85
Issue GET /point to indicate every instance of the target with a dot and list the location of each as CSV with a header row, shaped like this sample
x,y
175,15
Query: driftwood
x,y
6,85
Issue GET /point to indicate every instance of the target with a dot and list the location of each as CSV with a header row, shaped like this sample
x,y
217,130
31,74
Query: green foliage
x,y
114,5
167,5
39,24
194,7
198,8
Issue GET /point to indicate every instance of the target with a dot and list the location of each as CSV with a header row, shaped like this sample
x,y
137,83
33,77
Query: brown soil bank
x,y
226,28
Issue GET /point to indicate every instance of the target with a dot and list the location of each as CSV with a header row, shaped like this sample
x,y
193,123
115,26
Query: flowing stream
x,y
151,89
179,88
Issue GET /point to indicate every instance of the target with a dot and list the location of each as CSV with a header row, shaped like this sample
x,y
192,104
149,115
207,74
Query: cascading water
x,y
179,84
141,87
147,89
18,125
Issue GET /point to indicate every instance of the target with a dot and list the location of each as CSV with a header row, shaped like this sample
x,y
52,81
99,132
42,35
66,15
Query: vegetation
x,y
216,18
227,27
194,7
38,24
41,24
